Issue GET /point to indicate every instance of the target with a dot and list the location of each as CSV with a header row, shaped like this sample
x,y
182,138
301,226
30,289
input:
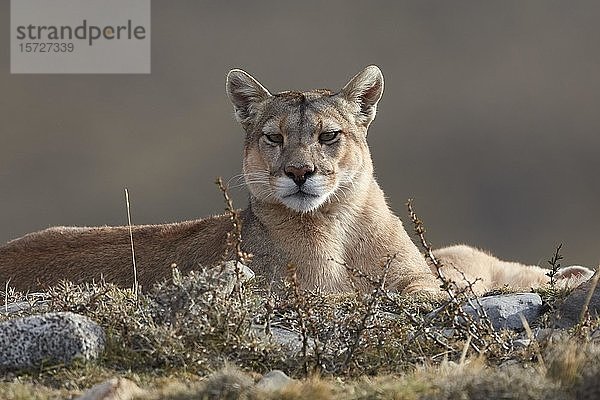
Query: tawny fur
x,y
42,259
336,221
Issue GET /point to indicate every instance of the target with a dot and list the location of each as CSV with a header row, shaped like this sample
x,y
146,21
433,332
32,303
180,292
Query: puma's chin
x,y
303,202
305,198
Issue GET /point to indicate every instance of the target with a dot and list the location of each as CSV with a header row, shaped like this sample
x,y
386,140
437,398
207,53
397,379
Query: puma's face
x,y
304,149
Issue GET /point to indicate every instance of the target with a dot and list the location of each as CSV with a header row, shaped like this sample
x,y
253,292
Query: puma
x,y
314,203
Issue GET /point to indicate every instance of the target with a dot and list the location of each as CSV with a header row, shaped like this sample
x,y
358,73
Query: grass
x,y
182,339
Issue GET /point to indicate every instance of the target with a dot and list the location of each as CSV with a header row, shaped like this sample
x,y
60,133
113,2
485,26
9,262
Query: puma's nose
x,y
299,175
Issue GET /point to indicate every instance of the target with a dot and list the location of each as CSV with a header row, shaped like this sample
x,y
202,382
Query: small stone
x,y
547,334
34,302
447,332
285,338
274,380
230,276
53,337
521,343
504,310
113,389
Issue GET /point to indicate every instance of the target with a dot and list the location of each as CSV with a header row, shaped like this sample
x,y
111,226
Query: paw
x,y
573,276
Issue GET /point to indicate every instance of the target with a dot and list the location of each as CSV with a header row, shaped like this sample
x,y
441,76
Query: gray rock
x,y
289,339
34,301
230,277
550,335
274,380
447,332
540,335
53,337
521,343
504,310
569,312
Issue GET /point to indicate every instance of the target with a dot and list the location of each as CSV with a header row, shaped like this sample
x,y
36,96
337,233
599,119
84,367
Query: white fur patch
x,y
306,198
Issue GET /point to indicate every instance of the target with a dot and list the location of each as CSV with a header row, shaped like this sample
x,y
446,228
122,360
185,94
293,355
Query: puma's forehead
x,y
316,100
315,110
301,97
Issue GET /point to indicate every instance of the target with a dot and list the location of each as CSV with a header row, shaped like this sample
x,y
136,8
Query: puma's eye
x,y
329,137
274,138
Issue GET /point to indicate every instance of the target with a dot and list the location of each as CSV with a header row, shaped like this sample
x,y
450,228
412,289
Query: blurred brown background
x,y
489,119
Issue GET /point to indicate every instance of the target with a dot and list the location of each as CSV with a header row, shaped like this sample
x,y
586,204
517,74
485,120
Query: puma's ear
x,y
245,93
365,89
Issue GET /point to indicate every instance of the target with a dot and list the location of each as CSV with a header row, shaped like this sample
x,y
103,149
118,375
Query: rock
x,y
447,332
504,310
35,301
540,335
569,312
274,380
52,337
286,338
113,389
229,275
521,343
12,308
550,335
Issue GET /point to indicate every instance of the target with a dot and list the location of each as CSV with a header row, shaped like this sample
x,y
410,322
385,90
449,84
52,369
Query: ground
x,y
188,338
